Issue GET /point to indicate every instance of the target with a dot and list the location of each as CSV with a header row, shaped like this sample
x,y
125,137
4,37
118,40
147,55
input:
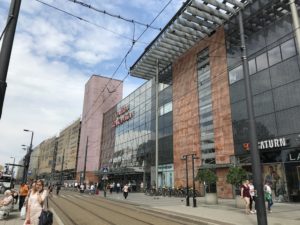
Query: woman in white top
x,y
36,201
125,190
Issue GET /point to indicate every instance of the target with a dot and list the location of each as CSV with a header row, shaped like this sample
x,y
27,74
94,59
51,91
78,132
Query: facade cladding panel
x,y
275,79
101,94
128,141
187,116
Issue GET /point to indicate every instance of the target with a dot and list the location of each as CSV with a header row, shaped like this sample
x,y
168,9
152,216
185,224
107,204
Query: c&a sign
x,y
122,115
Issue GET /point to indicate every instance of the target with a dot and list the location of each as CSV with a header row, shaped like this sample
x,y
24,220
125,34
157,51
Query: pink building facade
x,y
100,95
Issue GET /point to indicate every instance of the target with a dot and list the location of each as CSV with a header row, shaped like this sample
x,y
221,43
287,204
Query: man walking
x,y
23,192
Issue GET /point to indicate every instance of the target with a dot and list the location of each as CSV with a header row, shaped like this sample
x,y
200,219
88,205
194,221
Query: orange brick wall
x,y
186,130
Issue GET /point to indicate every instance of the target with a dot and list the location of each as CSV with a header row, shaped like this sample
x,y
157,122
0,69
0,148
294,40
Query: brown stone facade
x,y
186,129
90,177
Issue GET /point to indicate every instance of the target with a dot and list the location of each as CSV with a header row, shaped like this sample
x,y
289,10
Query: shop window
x,y
236,74
288,49
262,62
274,56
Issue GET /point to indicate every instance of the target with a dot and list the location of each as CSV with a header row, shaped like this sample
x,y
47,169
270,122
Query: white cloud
x,y
54,55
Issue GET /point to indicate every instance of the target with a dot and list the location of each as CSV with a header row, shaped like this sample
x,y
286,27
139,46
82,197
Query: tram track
x,y
134,209
107,208
82,208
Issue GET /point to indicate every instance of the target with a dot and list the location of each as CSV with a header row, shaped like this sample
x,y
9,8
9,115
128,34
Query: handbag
x,y
46,217
23,213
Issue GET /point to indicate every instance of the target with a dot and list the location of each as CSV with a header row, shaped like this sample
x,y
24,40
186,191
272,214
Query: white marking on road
x,y
56,217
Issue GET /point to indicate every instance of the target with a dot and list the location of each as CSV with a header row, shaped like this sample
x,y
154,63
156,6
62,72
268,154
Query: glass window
x,y
252,66
263,103
236,74
262,62
288,121
260,82
274,55
284,72
287,96
288,49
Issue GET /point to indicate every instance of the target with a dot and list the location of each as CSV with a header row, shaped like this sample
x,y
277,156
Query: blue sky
x,y
54,55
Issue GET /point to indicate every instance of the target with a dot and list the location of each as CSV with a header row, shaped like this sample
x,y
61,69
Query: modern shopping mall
x,y
201,104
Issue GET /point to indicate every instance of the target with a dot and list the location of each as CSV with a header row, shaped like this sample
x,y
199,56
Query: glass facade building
x,y
275,82
128,141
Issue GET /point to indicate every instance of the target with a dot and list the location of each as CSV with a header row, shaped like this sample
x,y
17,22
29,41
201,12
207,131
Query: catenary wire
x,y
87,117
87,21
6,26
113,15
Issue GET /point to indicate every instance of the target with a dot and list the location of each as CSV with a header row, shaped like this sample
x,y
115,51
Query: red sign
x,y
122,116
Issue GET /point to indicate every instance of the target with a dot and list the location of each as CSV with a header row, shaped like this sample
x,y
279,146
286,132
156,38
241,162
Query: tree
x,y
235,176
208,177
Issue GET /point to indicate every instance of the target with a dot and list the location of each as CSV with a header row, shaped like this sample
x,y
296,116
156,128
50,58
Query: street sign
x,y
105,170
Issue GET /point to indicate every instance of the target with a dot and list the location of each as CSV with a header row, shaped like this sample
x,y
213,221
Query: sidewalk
x,y
223,213
13,219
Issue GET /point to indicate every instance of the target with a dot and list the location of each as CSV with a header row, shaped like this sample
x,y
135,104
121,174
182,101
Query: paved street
x,y
75,208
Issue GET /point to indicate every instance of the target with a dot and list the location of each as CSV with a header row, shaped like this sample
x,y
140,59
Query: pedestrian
x,y
118,187
245,194
111,187
268,195
36,201
125,191
50,190
57,189
252,197
23,192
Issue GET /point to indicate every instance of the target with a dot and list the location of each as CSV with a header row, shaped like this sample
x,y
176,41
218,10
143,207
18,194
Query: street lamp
x,y
187,197
12,172
27,157
194,191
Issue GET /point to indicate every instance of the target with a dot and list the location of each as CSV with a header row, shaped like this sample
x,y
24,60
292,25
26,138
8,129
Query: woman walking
x,y
125,191
245,194
268,196
36,200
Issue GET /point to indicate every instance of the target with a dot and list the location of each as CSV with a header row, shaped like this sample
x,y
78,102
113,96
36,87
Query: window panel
x,y
262,62
236,74
288,49
274,56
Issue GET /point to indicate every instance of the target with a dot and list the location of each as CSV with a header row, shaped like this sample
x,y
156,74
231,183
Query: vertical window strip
x,y
205,100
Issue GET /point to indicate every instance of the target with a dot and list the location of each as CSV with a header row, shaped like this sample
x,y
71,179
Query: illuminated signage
x,y
272,143
122,116
294,156
268,144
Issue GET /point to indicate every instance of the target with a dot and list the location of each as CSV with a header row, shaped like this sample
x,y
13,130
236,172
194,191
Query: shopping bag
x,y
23,213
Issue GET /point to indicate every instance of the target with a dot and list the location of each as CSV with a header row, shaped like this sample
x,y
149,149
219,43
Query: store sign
x,y
294,156
272,143
268,144
122,116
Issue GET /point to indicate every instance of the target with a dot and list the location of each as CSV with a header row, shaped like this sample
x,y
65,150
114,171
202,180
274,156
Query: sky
x,y
54,54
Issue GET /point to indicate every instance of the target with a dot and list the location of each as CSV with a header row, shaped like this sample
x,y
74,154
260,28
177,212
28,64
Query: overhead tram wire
x,y
87,21
123,60
113,15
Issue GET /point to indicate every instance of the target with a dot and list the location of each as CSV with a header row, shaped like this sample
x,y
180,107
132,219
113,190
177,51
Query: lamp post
x,y
27,157
194,192
12,172
187,197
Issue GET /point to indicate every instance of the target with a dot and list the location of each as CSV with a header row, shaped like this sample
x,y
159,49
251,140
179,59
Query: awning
x,y
194,21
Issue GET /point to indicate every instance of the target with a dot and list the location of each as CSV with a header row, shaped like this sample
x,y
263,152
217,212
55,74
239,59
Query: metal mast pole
x,y
6,48
156,125
256,167
295,18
